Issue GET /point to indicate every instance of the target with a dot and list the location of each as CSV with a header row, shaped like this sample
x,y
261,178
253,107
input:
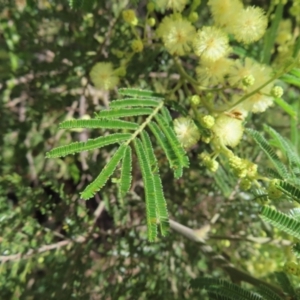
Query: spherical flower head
x,y
212,166
151,22
103,77
207,121
137,46
250,25
224,11
195,100
213,72
187,132
277,91
129,17
261,100
228,131
242,69
177,34
248,81
204,157
193,17
210,43
176,5
245,184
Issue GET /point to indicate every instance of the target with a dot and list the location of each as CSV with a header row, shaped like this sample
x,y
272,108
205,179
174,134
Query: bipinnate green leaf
x,y
289,190
281,221
288,150
265,146
149,187
166,115
98,123
125,179
285,284
105,174
168,150
268,294
124,112
90,144
223,288
133,102
160,201
139,93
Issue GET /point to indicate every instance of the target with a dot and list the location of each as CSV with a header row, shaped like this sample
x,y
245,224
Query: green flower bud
x,y
208,121
248,80
245,184
193,17
195,100
137,46
212,166
151,22
277,91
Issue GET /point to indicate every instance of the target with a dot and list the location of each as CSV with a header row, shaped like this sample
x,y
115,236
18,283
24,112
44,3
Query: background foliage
x,y
54,245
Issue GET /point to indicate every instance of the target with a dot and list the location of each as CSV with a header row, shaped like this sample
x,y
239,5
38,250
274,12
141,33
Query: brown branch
x,y
235,274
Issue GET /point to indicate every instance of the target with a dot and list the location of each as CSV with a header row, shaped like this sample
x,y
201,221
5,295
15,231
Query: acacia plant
x,y
197,125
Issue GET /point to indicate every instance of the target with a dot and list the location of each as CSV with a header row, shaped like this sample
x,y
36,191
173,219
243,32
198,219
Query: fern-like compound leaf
x,y
289,190
167,117
140,93
133,102
151,211
286,147
105,174
91,144
173,141
98,123
125,179
265,146
224,288
281,221
160,201
285,284
268,294
168,150
124,112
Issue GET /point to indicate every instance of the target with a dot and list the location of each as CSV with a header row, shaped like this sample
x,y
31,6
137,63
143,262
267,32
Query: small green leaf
x,y
105,174
124,112
88,145
98,123
125,180
140,93
133,102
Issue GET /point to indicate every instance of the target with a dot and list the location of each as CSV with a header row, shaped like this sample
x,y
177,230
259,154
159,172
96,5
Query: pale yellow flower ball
x,y
177,34
211,43
103,77
228,131
187,132
250,25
